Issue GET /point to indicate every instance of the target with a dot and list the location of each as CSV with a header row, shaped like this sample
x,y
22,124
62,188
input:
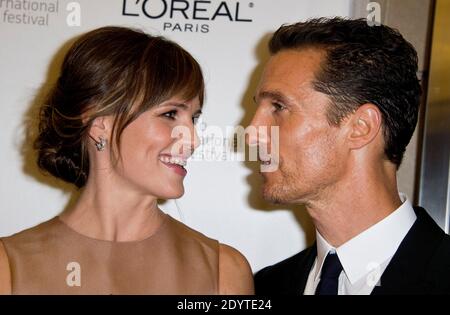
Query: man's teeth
x,y
173,160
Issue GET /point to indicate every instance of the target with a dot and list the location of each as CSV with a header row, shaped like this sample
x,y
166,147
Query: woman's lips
x,y
175,163
180,170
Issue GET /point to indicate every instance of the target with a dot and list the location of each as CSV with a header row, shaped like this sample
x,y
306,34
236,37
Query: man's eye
x,y
277,106
171,115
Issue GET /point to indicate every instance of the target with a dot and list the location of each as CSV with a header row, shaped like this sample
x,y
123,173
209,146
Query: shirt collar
x,y
323,248
372,247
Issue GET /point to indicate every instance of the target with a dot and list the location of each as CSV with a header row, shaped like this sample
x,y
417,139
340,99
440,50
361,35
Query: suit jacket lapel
x,y
406,273
305,266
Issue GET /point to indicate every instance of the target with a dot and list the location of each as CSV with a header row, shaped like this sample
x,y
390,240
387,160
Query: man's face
x,y
312,153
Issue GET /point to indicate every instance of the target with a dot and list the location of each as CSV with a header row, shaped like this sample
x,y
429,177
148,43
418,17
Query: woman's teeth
x,y
173,160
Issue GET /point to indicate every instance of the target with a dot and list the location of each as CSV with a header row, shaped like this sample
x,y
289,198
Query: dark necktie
x,y
329,278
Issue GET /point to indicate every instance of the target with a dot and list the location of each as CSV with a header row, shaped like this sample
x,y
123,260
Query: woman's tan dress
x,y
52,258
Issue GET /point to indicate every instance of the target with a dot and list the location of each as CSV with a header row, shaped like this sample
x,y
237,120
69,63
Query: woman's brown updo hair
x,y
109,71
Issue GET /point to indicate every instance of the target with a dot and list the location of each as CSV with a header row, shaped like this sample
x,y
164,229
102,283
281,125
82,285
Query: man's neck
x,y
354,205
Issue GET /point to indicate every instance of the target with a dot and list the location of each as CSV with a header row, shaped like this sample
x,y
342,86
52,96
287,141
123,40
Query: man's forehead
x,y
301,63
290,71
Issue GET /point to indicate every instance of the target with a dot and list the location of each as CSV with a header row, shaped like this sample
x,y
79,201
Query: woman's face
x,y
155,147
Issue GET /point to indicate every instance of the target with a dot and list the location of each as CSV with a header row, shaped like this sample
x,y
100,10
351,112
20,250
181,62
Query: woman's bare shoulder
x,y
5,274
235,274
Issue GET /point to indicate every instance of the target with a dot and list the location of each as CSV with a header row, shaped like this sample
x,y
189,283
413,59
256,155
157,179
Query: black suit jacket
x,y
421,265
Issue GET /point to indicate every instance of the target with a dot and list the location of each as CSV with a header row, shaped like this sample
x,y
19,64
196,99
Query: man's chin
x,y
272,195
277,195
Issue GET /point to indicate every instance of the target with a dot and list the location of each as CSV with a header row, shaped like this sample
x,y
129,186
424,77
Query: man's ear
x,y
364,125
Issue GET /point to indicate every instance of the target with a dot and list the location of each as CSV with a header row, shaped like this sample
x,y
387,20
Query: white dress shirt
x,y
365,257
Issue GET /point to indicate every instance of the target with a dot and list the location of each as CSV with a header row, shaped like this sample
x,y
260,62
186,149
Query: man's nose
x,y
257,131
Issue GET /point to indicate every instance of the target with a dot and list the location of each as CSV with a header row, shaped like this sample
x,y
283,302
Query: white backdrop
x,y
222,198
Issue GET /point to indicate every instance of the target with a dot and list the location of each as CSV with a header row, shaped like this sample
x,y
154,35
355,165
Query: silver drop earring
x,y
101,144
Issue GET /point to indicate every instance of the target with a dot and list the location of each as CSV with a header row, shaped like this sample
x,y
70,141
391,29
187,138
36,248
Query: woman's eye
x,y
171,115
195,119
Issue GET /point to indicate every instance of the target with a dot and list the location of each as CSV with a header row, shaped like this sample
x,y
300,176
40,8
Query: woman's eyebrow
x,y
182,106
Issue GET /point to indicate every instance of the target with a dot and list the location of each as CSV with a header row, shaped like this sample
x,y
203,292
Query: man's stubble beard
x,y
280,186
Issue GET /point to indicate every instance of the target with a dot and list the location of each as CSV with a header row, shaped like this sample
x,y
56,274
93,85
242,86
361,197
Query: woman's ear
x,y
364,126
101,128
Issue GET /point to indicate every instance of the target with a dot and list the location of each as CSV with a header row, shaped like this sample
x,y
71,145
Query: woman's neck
x,y
103,211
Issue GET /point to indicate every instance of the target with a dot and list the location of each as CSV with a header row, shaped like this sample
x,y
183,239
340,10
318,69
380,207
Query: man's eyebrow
x,y
272,95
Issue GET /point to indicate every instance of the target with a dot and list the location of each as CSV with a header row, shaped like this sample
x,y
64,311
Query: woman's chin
x,y
173,194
